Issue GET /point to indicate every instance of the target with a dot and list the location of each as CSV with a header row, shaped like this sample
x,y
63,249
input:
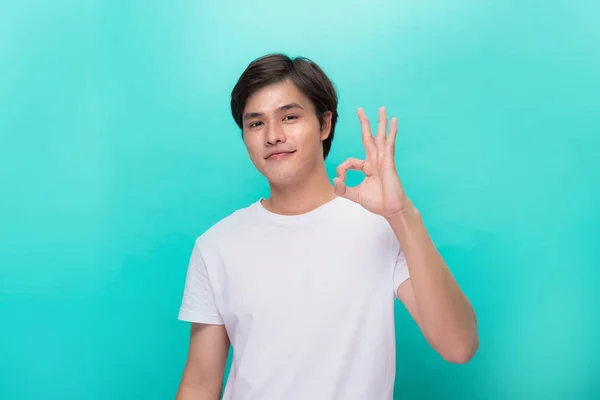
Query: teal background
x,y
117,149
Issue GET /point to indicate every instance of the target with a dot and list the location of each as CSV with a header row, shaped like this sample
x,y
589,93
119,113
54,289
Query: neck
x,y
301,197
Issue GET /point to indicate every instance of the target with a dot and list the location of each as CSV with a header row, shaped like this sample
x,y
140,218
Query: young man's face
x,y
282,133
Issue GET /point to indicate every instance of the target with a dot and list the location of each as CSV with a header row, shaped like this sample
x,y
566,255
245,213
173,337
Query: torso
x,y
307,301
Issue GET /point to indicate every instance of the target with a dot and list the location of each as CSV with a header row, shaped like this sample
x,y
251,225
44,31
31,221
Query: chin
x,y
285,174
281,179
282,176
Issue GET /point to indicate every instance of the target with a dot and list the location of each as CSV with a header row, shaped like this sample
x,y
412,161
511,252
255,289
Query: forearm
x,y
445,314
197,392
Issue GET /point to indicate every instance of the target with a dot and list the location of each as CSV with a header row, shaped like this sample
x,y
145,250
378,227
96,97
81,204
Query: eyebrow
x,y
282,108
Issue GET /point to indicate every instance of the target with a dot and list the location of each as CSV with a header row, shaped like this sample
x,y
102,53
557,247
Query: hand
x,y
381,191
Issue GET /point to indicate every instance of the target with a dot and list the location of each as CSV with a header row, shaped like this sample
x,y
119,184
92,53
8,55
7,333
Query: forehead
x,y
271,97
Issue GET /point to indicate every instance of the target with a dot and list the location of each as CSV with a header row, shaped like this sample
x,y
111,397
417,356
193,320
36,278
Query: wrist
x,y
409,211
404,221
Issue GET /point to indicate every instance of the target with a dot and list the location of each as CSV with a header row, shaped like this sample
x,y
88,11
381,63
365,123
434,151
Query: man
x,y
302,284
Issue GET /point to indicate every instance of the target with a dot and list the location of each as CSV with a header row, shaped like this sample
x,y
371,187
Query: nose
x,y
274,135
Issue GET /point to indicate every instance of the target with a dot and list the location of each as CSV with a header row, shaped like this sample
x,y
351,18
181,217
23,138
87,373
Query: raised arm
x,y
431,295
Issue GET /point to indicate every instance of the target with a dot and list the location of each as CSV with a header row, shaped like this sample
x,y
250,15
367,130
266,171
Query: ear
x,y
326,125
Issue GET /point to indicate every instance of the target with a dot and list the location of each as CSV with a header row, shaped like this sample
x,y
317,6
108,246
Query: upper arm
x,y
407,296
209,344
206,360
402,282
198,304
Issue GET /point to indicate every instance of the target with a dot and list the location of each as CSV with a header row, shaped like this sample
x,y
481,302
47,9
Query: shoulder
x,y
366,231
358,213
226,228
355,215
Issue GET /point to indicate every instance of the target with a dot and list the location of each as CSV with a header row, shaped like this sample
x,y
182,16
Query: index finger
x,y
367,136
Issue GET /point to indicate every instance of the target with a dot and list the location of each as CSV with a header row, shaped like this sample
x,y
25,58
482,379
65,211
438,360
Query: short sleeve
x,y
400,268
198,304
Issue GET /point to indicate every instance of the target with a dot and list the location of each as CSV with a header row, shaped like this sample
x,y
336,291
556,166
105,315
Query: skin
x,y
299,181
431,295
281,119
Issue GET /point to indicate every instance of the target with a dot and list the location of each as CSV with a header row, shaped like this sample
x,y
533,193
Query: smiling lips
x,y
279,155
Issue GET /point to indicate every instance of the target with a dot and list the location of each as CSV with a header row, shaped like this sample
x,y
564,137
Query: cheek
x,y
306,135
252,147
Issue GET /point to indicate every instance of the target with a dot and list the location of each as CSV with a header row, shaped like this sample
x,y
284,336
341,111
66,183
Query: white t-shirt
x,y
307,301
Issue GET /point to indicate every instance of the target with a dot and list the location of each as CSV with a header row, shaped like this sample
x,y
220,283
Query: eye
x,y
254,124
289,117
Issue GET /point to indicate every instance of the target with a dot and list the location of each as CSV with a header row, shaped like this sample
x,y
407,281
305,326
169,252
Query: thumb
x,y
340,189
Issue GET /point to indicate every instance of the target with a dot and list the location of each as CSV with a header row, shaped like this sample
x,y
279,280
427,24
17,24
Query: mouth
x,y
280,156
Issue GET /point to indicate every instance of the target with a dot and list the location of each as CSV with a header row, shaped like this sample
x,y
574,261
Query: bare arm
x,y
431,295
203,374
